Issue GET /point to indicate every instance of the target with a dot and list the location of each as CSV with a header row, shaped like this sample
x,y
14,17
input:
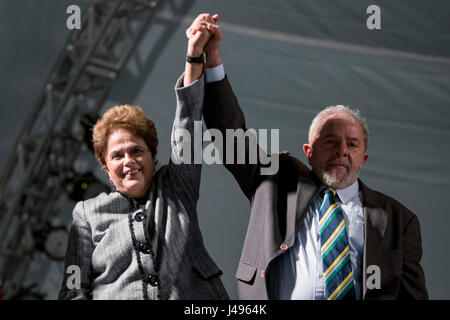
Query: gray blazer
x,y
279,204
101,242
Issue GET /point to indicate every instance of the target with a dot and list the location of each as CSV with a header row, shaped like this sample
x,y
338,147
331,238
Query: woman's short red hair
x,y
128,117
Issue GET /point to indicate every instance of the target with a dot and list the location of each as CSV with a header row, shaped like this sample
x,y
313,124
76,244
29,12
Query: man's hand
x,y
196,47
199,36
212,46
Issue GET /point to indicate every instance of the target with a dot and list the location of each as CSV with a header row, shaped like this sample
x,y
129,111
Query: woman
x,y
143,241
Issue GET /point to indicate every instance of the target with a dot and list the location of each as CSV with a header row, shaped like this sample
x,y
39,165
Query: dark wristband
x,y
199,59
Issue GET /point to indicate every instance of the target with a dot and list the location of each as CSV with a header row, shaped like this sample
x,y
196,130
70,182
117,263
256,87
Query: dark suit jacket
x,y
280,202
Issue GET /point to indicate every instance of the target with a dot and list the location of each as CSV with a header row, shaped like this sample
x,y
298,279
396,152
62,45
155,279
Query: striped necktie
x,y
335,250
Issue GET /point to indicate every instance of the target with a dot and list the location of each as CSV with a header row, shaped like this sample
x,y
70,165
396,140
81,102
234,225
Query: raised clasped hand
x,y
203,34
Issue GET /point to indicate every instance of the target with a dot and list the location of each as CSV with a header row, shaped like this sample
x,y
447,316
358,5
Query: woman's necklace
x,y
145,248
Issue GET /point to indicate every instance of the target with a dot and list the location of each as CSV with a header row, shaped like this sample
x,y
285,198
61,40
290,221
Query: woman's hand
x,y
212,46
199,34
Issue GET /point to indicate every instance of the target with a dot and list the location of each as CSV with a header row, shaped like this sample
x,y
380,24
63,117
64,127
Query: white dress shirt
x,y
298,273
215,74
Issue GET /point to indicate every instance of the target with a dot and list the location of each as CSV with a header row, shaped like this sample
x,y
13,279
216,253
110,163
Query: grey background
x,y
399,77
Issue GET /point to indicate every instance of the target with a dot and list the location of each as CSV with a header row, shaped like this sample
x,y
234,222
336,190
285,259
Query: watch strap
x,y
199,59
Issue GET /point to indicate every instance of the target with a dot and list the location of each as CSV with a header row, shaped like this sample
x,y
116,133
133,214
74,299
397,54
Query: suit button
x,y
139,217
152,279
284,247
144,248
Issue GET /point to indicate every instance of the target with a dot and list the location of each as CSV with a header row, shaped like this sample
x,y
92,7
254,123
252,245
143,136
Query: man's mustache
x,y
339,161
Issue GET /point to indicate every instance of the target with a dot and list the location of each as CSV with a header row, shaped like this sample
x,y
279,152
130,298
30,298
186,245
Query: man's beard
x,y
333,181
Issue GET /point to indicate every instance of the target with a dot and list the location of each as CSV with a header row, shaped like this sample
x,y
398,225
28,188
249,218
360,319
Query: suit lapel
x,y
376,219
375,225
299,201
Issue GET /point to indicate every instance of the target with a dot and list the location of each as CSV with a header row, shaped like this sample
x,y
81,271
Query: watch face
x,y
56,244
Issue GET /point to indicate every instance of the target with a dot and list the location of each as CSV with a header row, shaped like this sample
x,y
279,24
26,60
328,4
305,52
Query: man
x,y
319,233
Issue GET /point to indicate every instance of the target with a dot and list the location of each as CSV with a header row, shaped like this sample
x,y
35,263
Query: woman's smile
x,y
129,163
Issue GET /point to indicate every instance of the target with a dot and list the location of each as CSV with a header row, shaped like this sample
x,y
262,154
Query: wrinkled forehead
x,y
340,124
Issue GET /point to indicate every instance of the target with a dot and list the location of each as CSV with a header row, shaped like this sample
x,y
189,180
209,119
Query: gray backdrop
x,y
286,60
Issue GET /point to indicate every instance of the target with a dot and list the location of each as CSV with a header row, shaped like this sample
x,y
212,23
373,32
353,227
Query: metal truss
x,y
42,161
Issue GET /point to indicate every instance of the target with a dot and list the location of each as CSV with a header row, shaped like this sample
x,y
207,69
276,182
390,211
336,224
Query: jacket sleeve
x,y
186,140
222,112
413,277
76,284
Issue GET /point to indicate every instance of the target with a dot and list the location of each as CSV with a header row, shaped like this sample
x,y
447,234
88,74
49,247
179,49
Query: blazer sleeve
x,y
76,284
221,111
186,141
413,277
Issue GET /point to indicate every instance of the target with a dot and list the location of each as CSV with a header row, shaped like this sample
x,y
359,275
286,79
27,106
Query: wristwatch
x,y
199,59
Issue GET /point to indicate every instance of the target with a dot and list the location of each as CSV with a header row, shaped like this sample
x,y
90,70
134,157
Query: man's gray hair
x,y
354,113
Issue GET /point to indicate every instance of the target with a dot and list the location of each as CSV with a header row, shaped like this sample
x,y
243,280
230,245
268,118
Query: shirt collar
x,y
348,193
